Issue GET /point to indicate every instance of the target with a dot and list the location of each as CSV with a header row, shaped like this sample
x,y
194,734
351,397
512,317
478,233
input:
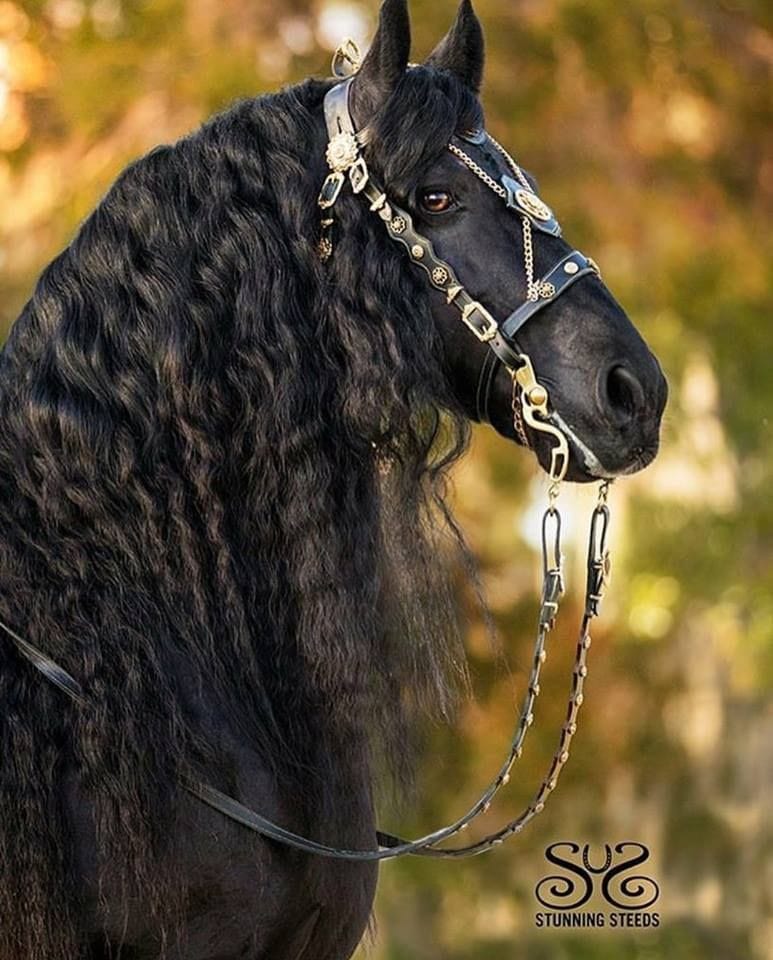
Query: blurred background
x,y
648,125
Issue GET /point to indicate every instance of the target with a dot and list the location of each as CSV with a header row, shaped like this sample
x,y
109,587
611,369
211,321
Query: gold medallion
x,y
532,204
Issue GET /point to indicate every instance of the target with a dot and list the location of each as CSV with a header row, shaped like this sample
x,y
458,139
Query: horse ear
x,y
461,51
385,62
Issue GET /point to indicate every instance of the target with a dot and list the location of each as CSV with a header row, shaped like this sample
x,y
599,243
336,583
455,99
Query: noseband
x,y
530,405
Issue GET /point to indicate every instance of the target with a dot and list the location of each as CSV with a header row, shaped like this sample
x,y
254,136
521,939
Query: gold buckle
x,y
485,331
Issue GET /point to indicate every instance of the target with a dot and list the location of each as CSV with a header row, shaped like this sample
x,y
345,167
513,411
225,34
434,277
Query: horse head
x,y
538,321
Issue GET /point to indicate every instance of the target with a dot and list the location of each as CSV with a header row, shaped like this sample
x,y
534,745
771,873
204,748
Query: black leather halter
x,y
500,336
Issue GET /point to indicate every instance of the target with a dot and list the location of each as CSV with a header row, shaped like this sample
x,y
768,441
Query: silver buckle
x,y
485,330
358,175
331,188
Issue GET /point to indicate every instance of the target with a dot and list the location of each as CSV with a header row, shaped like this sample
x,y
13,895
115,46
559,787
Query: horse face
x,y
604,384
601,377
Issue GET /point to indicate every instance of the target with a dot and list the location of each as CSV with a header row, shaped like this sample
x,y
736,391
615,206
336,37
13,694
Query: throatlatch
x,y
531,409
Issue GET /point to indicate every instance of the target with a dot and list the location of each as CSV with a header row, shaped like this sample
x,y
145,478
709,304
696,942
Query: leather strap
x,y
388,845
50,670
566,272
486,376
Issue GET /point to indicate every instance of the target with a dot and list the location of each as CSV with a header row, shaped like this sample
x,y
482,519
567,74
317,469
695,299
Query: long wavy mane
x,y
222,475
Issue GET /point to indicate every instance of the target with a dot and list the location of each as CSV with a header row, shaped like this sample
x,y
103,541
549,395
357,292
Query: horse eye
x,y
436,201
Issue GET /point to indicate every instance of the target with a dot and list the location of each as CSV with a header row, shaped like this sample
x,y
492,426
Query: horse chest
x,y
246,898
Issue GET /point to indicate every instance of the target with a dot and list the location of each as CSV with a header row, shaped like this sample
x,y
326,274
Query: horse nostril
x,y
623,393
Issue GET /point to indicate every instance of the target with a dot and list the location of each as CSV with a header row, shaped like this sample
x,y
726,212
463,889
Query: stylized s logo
x,y
565,892
631,888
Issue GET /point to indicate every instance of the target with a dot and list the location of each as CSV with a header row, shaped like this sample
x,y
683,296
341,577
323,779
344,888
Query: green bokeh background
x,y
648,125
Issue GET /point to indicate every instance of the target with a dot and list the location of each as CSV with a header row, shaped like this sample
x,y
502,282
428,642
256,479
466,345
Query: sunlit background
x,y
648,125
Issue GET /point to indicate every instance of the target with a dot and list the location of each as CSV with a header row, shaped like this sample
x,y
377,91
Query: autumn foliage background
x,y
648,125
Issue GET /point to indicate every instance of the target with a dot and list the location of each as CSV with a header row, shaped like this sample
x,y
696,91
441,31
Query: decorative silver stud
x,y
342,151
571,267
399,225
440,275
417,251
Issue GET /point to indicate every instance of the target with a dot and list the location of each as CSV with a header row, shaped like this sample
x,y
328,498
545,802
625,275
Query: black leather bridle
x,y
345,161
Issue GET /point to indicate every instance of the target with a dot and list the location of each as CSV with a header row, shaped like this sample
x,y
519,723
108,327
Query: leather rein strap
x,y
390,846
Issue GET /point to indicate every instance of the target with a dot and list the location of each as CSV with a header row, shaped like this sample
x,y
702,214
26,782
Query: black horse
x,y
221,469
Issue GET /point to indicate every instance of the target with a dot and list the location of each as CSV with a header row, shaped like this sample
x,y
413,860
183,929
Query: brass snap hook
x,y
534,400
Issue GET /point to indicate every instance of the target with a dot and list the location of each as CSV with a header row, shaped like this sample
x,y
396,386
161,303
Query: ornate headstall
x,y
346,162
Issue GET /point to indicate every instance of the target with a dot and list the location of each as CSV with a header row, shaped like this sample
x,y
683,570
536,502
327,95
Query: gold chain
x,y
479,172
511,163
532,288
520,430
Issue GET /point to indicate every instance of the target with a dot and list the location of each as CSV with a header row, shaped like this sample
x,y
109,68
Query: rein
x,y
530,407
390,846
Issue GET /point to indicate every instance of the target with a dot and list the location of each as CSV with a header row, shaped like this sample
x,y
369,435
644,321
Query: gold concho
x,y
440,275
532,204
399,225
342,151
